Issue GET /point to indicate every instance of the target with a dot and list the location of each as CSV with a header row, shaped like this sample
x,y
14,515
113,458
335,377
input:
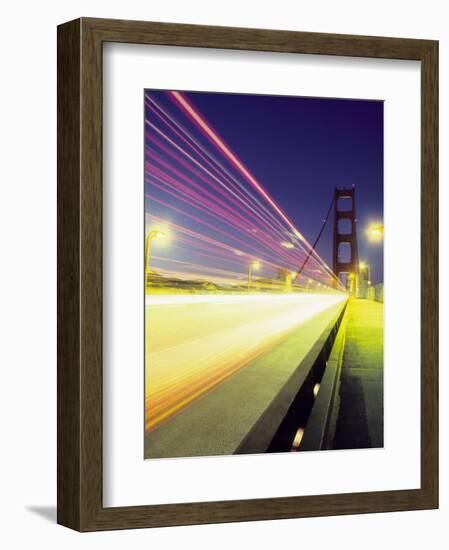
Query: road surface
x,y
195,342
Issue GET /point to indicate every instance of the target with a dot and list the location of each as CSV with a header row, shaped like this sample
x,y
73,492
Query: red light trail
x,y
221,216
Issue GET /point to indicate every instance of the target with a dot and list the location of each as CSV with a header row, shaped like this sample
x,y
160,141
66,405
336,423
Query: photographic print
x,y
263,283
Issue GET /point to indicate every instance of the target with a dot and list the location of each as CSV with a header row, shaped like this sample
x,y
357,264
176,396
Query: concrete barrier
x,y
379,292
376,293
276,428
320,428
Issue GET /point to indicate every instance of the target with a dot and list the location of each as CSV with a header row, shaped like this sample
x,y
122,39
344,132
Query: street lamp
x,y
153,234
352,283
253,265
375,232
287,244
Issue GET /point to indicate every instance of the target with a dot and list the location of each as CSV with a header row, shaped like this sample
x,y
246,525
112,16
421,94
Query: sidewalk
x,y
360,419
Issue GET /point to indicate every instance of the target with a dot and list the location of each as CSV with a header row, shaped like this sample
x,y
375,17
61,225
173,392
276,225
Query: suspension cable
x,y
325,220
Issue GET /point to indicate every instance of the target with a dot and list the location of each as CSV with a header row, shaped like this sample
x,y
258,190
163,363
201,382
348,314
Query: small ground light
x,y
297,440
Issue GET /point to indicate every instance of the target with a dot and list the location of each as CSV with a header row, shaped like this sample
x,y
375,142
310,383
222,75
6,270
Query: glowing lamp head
x,y
255,264
287,244
161,232
375,232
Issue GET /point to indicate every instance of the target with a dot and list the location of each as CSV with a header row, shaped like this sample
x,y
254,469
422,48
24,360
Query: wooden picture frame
x,y
80,351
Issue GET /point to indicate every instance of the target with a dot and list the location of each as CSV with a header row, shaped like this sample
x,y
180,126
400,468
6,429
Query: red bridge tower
x,y
345,236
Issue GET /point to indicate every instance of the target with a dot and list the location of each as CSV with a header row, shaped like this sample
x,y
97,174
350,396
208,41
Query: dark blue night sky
x,y
300,149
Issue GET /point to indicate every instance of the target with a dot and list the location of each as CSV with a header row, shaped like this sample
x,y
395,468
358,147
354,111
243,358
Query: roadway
x,y
200,343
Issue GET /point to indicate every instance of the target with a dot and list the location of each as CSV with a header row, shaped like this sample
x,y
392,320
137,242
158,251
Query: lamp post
x,y
153,234
365,266
255,265
363,279
352,283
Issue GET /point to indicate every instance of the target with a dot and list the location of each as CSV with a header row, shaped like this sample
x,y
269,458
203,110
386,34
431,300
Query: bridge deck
x,y
360,419
217,422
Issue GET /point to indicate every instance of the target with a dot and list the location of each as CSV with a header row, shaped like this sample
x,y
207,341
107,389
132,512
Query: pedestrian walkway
x,y
360,418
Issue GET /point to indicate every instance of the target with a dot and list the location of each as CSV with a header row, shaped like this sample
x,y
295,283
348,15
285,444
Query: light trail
x,y
229,214
263,244
213,163
215,248
186,182
222,188
268,243
232,157
198,341
213,136
206,315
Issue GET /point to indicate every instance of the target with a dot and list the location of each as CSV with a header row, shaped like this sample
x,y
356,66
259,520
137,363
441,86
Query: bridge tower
x,y
345,235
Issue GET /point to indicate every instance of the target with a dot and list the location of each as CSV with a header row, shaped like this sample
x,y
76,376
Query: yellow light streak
x,y
209,337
